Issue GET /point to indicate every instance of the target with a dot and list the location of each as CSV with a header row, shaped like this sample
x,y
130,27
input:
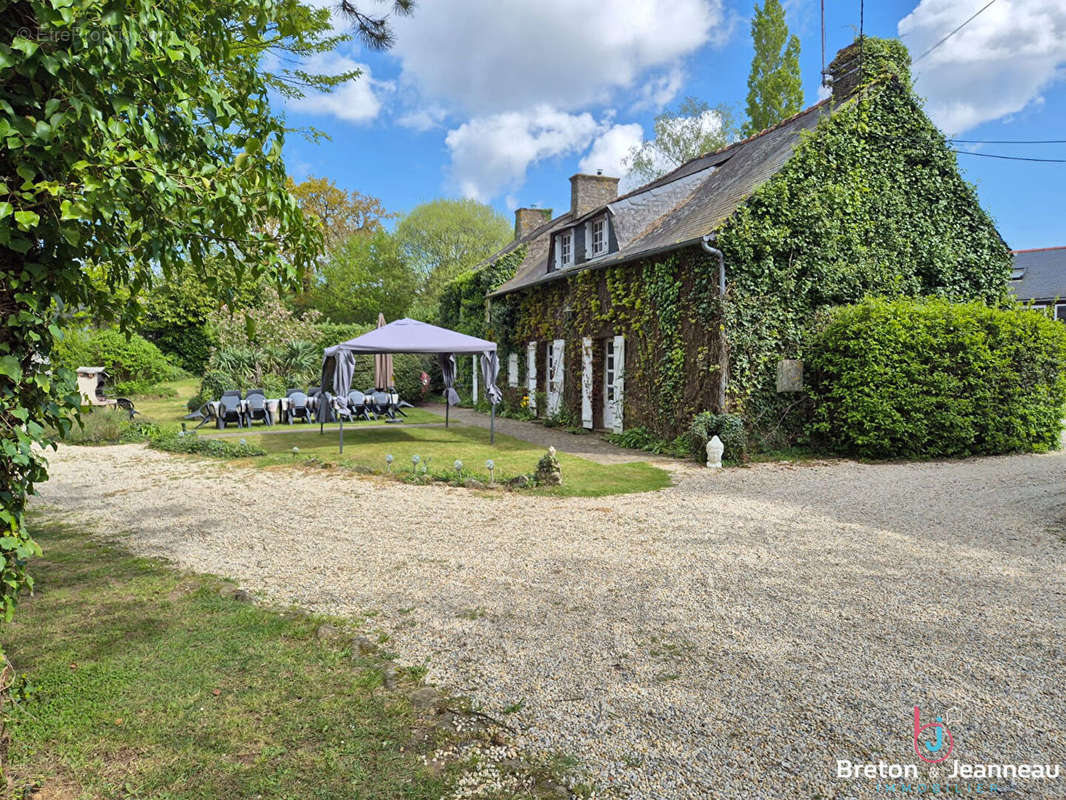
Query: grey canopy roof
x,y
412,336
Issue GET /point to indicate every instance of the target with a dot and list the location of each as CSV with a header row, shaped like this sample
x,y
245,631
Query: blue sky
x,y
503,101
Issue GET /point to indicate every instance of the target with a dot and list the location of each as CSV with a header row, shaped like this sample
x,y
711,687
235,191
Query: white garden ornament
x,y
715,448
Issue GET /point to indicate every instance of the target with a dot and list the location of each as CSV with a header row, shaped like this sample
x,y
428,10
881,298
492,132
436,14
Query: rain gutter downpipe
x,y
723,365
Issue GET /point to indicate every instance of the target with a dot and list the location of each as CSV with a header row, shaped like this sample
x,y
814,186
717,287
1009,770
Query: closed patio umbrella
x,y
383,377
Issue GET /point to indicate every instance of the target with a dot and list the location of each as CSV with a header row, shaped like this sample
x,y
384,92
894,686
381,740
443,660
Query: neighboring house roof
x,y
1041,274
676,209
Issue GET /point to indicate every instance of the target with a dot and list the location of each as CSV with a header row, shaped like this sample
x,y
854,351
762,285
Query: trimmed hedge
x,y
913,379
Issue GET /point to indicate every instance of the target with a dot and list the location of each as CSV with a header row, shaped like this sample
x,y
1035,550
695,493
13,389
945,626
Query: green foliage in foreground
x,y
137,137
913,379
146,682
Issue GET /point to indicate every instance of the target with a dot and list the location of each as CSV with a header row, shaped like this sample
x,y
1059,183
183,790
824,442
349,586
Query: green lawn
x,y
367,444
365,448
149,682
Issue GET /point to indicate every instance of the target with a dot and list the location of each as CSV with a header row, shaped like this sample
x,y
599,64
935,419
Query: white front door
x,y
608,384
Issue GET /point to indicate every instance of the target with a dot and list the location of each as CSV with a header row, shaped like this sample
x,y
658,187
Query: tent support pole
x,y
341,420
492,425
447,409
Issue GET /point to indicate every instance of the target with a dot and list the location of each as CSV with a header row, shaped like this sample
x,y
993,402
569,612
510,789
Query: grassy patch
x,y
366,448
150,682
147,682
167,407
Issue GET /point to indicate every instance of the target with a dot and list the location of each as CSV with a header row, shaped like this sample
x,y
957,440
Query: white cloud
x,y
492,153
995,66
357,100
487,56
611,149
660,90
423,119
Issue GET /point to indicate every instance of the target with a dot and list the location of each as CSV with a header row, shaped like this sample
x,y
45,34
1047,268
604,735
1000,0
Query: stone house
x,y
685,294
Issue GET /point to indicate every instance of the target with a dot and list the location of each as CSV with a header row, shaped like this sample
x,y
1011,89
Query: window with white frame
x,y
564,249
597,236
1038,307
1060,312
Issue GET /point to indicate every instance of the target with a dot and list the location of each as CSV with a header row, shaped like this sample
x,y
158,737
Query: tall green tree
x,y
176,312
691,130
136,136
443,238
365,275
775,91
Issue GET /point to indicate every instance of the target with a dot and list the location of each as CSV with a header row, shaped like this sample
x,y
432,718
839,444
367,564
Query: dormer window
x,y
597,236
564,249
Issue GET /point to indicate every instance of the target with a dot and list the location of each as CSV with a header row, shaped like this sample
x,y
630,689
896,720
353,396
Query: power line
x,y
963,25
1011,158
1008,141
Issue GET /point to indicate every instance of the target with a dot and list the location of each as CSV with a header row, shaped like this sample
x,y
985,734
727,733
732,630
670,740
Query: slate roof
x,y
676,209
1042,274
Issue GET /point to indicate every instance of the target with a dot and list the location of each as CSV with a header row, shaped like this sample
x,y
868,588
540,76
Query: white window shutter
x,y
619,381
473,373
531,375
555,384
586,383
512,370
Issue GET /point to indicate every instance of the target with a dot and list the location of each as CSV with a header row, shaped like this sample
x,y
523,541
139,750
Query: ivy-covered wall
x,y
462,303
661,307
871,203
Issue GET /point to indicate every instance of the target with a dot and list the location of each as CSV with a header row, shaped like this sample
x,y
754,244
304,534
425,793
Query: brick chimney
x,y
843,72
865,59
591,191
527,220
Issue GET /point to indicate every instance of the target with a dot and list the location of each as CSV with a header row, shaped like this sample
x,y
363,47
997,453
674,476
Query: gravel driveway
x,y
733,636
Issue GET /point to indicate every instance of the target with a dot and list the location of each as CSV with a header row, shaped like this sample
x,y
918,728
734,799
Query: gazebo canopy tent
x,y
411,336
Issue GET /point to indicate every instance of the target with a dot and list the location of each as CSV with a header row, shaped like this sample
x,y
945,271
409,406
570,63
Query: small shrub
x,y
174,442
642,439
107,426
141,430
132,362
100,426
933,379
727,427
